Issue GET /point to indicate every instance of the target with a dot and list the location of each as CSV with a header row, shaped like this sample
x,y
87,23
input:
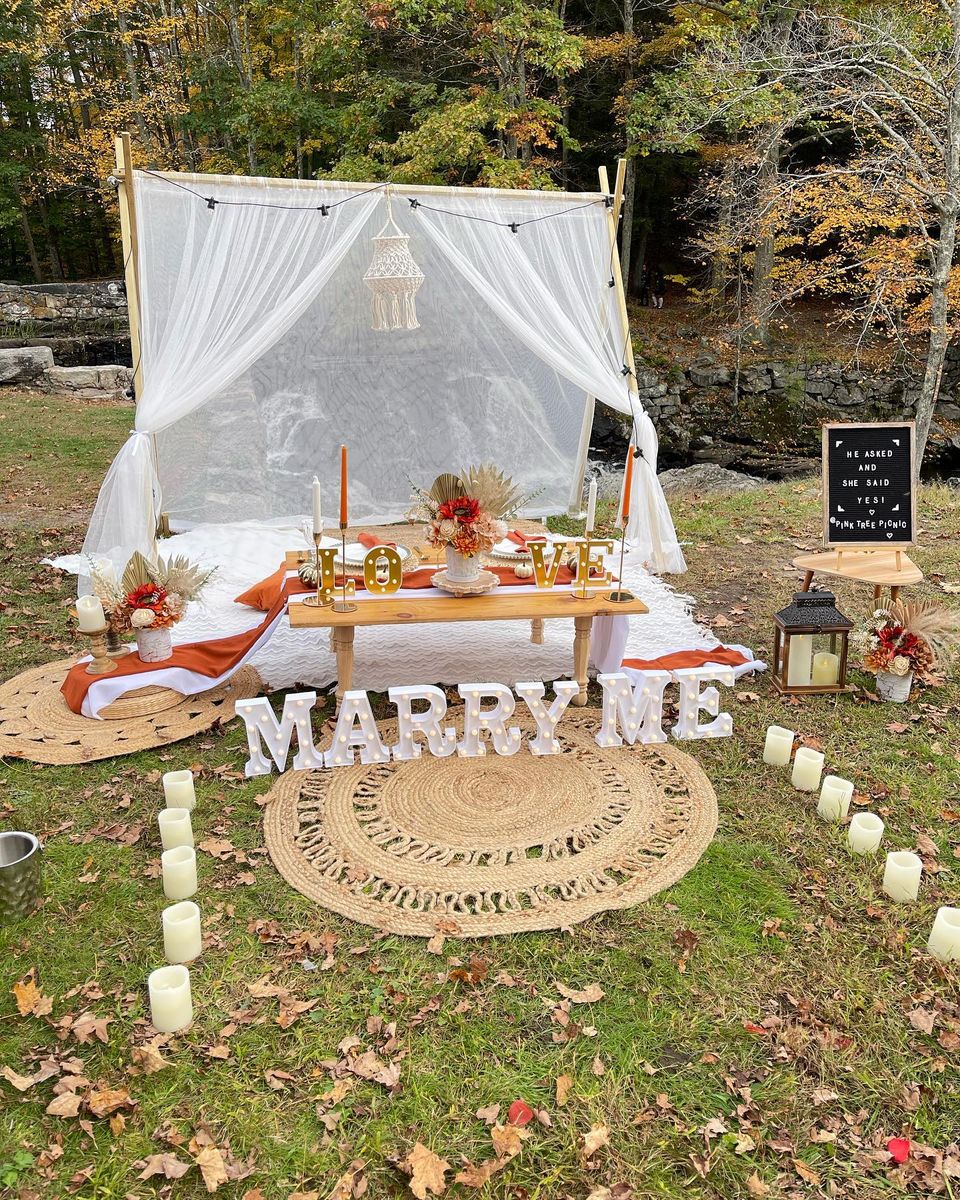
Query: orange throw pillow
x,y
266,593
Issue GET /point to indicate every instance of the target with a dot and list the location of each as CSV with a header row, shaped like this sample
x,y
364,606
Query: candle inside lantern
x,y
178,790
182,940
343,487
901,875
170,1005
835,797
90,616
866,830
179,868
826,669
175,828
317,513
945,935
800,667
807,769
627,487
778,746
591,506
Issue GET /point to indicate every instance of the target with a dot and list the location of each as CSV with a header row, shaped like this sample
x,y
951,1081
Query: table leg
x,y
894,592
877,593
807,580
343,648
581,655
536,631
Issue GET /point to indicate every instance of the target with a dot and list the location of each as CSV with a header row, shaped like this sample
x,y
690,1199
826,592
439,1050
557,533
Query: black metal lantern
x,y
810,645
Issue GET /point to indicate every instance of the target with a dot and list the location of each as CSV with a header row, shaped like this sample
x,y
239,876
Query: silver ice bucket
x,y
21,885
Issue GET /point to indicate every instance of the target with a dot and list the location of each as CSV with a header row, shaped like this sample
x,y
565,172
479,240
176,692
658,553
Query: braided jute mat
x,y
36,724
478,846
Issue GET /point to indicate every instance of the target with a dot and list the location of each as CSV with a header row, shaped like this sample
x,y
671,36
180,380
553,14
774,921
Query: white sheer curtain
x,y
218,287
562,307
259,357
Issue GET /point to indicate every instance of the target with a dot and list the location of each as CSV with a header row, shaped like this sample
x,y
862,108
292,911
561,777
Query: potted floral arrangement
x,y
150,599
465,515
909,640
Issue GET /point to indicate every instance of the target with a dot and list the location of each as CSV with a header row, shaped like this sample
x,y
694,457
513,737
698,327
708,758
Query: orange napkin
x,y
371,542
522,540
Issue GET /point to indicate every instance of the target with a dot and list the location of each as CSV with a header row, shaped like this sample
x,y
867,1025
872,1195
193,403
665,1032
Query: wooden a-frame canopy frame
x,y
128,234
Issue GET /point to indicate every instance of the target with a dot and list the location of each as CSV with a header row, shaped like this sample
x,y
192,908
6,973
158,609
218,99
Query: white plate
x,y
512,552
357,552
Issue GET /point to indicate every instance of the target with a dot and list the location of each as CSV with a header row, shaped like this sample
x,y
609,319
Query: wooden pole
x,y
613,216
128,237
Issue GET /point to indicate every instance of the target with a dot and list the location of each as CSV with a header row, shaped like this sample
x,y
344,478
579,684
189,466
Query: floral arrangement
x,y
466,511
911,636
150,595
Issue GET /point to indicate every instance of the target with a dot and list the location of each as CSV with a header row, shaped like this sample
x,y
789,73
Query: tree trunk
x,y
765,252
938,338
31,245
626,223
133,81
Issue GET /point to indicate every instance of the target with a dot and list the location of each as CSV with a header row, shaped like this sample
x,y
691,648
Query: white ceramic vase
x,y
154,645
462,568
895,688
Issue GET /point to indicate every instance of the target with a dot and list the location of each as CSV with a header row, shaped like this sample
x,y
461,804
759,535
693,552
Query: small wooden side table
x,y
891,569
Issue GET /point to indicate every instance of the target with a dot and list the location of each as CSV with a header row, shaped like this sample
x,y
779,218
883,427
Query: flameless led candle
x,y
591,506
90,618
182,940
317,514
800,667
343,486
901,875
175,828
945,935
178,790
866,830
826,668
778,746
627,486
835,797
807,768
179,867
170,1005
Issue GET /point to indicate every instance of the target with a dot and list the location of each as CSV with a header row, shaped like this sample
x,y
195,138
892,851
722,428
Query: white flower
x,y
447,528
141,618
900,665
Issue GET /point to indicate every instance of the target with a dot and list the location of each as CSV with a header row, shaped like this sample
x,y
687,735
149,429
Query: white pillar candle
x,y
778,746
591,506
317,514
807,769
945,935
182,939
826,668
178,790
801,660
175,827
179,867
835,797
866,830
170,1005
901,875
90,618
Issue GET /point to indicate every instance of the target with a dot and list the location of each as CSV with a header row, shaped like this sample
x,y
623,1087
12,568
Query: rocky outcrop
x,y
33,366
707,477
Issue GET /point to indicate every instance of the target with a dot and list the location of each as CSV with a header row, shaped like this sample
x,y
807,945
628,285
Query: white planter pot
x,y
895,688
462,568
154,645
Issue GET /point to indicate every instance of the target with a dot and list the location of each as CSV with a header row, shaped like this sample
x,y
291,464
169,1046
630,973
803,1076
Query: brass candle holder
x,y
583,577
324,596
621,596
102,663
343,605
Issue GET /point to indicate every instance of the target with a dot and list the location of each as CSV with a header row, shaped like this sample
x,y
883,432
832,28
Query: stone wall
x,y
767,418
62,302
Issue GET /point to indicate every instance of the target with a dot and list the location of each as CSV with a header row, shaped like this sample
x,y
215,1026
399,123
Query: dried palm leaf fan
x,y
394,278
496,492
446,487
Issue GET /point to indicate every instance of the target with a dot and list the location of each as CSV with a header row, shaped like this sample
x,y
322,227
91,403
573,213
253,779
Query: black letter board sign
x,y
868,497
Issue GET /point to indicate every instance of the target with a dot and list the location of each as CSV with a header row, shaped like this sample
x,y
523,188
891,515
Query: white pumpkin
x,y
523,570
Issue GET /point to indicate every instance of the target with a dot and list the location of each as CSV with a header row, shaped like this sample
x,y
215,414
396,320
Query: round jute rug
x,y
478,846
36,724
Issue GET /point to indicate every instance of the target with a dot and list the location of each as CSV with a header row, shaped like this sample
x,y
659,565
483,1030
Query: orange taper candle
x,y
343,487
627,484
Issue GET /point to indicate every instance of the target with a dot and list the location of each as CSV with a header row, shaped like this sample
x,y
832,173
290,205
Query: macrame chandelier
x,y
394,278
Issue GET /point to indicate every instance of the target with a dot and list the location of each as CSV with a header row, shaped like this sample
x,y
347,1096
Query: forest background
x,y
778,154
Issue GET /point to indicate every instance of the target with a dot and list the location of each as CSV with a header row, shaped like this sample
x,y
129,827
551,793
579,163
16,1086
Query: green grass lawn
x,y
766,1026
